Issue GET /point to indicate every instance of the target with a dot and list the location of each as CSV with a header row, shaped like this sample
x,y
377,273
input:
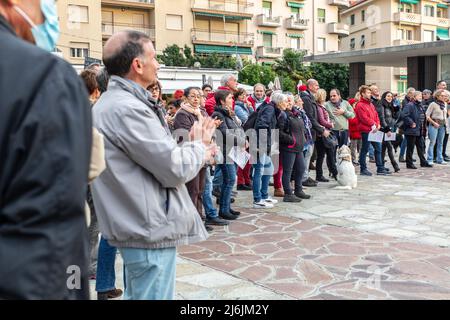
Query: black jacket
x,y
228,128
266,121
413,112
45,147
310,107
380,110
389,116
292,132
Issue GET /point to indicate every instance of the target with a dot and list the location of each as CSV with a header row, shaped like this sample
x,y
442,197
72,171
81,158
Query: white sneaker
x,y
262,205
271,200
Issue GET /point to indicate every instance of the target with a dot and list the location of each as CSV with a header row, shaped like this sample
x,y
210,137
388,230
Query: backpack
x,y
251,121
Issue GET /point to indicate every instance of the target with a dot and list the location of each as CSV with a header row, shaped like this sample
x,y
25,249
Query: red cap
x,y
178,94
302,88
351,101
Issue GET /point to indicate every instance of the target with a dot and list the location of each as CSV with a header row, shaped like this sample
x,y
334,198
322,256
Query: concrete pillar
x,y
422,72
357,77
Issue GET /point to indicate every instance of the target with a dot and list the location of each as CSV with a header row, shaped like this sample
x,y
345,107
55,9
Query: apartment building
x,y
385,23
260,29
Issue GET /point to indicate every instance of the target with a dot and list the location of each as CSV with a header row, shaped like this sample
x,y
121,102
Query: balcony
x,y
108,29
340,3
219,37
265,21
296,23
443,22
223,8
268,52
407,18
402,42
143,4
341,29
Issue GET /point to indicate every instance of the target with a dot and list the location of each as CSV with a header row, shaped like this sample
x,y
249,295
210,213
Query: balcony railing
x,y
131,2
263,51
339,28
297,23
108,28
267,21
406,17
402,42
223,37
341,3
230,6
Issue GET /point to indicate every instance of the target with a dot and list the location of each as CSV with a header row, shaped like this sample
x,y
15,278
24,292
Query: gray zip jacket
x,y
141,199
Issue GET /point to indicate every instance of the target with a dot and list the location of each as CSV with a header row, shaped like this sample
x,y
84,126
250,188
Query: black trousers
x,y
331,159
419,142
387,145
292,162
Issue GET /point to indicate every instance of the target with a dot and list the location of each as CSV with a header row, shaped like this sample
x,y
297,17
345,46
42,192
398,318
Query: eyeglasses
x,y
193,97
154,89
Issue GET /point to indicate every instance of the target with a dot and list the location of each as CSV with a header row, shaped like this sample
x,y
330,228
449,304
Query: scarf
x,y
441,105
308,126
195,111
337,104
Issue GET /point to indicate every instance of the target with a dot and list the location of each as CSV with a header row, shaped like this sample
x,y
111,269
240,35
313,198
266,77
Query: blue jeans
x,y
149,273
263,170
208,204
403,147
365,148
307,154
218,180
229,179
436,135
106,275
371,152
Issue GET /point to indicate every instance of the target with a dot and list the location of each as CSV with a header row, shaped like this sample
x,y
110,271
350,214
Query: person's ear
x,y
137,66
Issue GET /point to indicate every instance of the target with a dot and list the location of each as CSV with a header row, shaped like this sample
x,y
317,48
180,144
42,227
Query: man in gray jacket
x,y
143,206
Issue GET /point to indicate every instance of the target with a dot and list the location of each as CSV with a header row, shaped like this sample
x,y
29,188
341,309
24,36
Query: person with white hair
x,y
227,82
263,168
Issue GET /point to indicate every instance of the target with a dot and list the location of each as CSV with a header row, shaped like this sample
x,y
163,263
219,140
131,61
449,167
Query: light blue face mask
x,y
45,35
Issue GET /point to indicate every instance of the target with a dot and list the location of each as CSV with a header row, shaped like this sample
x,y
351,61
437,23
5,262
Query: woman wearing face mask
x,y
46,133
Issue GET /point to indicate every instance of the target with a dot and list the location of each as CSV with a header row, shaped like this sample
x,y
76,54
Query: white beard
x,y
347,177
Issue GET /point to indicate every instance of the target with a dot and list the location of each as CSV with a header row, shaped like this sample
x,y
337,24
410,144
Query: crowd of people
x,y
97,163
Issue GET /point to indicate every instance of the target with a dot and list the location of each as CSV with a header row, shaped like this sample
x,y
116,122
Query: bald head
x,y
122,49
313,85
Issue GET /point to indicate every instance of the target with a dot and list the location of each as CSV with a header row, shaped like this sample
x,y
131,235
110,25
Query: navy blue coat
x,y
413,113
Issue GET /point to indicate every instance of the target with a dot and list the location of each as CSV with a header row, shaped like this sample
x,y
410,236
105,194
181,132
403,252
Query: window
x,y
403,34
401,86
78,13
267,8
295,43
267,40
373,38
296,13
174,22
321,44
352,43
363,15
79,49
321,15
441,13
429,11
428,35
363,41
352,20
405,7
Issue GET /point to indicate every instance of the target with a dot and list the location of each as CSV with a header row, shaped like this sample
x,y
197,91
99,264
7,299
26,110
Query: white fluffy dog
x,y
346,178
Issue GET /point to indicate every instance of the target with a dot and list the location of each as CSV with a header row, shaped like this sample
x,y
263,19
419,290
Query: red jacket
x,y
252,101
211,102
367,115
353,128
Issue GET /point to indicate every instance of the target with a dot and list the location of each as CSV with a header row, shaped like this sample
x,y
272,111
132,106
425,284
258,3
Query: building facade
x,y
385,23
258,29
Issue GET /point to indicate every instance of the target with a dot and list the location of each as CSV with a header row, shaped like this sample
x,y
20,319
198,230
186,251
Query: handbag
x,y
331,141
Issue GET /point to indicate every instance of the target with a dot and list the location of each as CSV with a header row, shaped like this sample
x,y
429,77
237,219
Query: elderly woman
x,y
292,132
322,149
413,122
184,119
437,117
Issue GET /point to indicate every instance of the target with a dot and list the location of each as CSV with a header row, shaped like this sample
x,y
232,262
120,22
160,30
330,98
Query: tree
x,y
291,66
252,74
173,56
331,75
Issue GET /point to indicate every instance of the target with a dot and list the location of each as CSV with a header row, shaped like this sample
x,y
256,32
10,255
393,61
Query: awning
x,y
443,6
205,48
295,5
293,35
442,33
410,1
403,77
266,32
221,15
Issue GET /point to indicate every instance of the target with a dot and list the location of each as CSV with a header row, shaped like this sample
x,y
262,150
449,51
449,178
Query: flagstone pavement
x,y
387,239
